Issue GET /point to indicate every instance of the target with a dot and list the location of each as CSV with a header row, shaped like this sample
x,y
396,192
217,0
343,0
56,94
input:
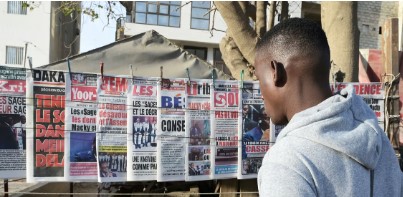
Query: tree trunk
x,y
272,14
339,21
238,26
284,10
261,7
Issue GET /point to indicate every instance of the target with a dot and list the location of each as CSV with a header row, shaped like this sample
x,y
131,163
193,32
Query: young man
x,y
332,144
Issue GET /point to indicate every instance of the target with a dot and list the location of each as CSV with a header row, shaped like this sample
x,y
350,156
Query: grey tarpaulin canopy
x,y
147,52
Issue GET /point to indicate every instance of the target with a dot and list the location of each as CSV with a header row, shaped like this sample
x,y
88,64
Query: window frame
x,y
205,49
191,16
157,13
19,58
18,7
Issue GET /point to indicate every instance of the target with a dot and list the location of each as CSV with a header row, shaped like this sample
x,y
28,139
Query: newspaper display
x,y
142,130
45,125
226,107
198,131
254,128
372,93
112,129
12,122
80,125
274,131
171,130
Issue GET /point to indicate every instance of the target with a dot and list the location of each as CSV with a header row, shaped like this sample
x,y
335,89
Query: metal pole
x,y
5,187
25,56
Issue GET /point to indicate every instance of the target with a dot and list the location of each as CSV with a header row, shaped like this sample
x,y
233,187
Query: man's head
x,y
291,58
264,121
245,110
23,119
104,167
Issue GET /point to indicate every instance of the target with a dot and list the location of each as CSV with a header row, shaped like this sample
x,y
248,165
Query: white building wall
x,y
183,33
34,27
185,36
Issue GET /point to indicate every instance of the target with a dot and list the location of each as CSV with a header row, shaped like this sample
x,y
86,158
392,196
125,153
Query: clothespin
x,y
30,62
131,69
242,79
68,66
102,70
167,82
213,76
187,71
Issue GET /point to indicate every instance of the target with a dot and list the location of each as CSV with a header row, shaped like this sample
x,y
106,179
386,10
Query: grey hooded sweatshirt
x,y
330,150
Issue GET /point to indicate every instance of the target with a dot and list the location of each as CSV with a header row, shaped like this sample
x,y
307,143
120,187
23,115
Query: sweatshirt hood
x,y
344,123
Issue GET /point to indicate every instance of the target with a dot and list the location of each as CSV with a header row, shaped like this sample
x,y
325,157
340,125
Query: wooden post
x,y
390,58
248,185
5,187
228,185
71,189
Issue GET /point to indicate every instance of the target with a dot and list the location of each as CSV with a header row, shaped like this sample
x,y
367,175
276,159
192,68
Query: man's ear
x,y
279,73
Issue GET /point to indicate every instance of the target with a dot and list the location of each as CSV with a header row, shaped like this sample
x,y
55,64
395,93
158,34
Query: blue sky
x,y
97,33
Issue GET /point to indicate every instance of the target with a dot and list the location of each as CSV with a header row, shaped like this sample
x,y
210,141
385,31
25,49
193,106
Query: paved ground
x,y
15,185
20,185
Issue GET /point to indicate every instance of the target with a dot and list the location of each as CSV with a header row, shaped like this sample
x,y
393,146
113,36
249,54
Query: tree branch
x,y
272,14
238,26
261,7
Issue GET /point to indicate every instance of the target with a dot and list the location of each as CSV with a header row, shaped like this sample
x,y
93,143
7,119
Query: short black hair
x,y
296,34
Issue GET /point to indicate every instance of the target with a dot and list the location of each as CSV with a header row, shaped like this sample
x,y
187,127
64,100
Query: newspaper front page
x,y
226,107
45,125
254,130
171,130
12,122
198,131
142,130
112,128
80,135
372,93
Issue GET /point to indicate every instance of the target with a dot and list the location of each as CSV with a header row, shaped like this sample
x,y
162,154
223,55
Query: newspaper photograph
x,y
45,125
226,107
12,122
142,130
254,128
80,125
171,130
198,131
112,128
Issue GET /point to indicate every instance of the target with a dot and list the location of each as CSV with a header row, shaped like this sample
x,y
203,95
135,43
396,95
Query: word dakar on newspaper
x,y
12,122
142,130
198,131
45,125
226,107
81,127
254,130
171,130
112,128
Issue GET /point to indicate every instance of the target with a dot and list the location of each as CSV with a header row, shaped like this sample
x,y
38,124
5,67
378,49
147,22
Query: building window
x,y
200,52
14,55
16,7
219,63
162,13
199,18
